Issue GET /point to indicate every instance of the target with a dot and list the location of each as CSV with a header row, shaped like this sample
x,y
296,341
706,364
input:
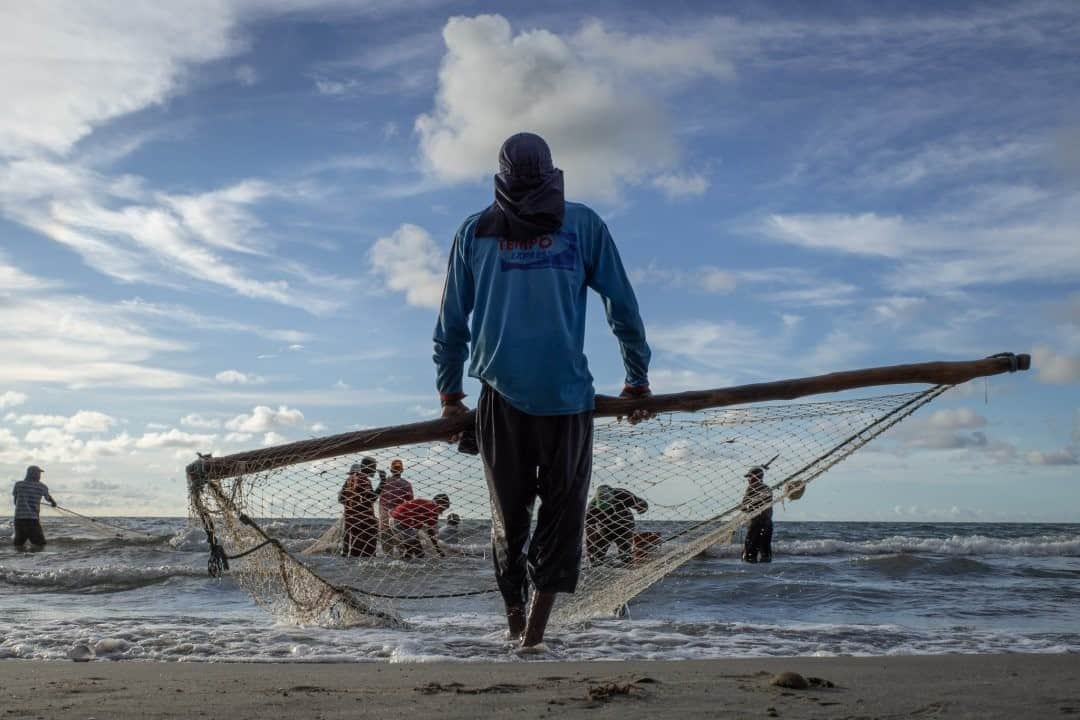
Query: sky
x,y
224,223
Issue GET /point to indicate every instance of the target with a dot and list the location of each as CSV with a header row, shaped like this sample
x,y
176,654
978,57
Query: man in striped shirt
x,y
27,494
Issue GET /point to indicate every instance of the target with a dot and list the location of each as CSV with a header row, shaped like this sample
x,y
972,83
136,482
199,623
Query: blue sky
x,y
224,224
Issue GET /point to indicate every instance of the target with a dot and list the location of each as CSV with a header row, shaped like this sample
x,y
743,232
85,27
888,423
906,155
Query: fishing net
x,y
283,532
99,528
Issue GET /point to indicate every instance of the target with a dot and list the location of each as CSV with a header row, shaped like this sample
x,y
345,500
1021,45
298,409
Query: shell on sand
x,y
792,680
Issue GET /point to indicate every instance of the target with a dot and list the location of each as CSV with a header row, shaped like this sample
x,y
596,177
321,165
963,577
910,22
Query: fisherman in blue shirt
x,y
27,494
522,269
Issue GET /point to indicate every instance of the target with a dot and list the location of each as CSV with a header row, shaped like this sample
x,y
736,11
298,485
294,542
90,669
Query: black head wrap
x,y
529,199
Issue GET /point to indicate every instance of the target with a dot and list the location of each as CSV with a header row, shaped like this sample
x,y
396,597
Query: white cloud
x,y
951,429
36,420
264,419
198,421
723,345
11,399
235,377
997,235
680,185
237,437
319,427
246,75
611,125
89,421
686,55
174,438
424,411
222,218
13,280
1055,368
678,450
707,278
272,438
409,261
956,418
839,349
74,65
668,380
1064,457
84,421
80,343
897,309
797,286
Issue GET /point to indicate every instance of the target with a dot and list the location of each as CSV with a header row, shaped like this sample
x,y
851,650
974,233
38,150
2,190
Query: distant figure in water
x,y
609,520
416,516
27,494
360,524
758,544
392,491
451,532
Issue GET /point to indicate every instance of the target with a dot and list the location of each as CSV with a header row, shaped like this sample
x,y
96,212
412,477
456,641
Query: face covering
x,y
529,199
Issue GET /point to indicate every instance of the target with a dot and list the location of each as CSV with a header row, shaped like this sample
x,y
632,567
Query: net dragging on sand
x,y
688,467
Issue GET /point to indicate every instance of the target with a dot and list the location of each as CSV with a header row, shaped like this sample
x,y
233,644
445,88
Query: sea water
x,y
832,589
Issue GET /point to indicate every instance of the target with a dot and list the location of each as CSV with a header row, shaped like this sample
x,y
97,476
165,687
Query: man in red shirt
x,y
412,517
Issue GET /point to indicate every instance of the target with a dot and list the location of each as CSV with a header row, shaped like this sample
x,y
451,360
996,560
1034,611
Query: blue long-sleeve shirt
x,y
527,300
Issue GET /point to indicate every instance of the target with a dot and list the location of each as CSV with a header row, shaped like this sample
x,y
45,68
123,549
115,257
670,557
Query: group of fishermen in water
x,y
389,515
400,518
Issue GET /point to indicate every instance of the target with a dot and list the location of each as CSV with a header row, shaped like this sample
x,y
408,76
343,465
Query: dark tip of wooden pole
x,y
1023,361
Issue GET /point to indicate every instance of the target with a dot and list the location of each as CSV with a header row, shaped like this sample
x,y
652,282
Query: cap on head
x,y
33,472
755,473
396,465
525,155
442,500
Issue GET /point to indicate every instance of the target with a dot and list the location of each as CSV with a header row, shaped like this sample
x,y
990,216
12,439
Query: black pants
x,y
758,540
361,534
28,530
528,457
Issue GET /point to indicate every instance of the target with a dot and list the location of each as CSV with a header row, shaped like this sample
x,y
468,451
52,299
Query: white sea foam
x,y
1030,546
113,577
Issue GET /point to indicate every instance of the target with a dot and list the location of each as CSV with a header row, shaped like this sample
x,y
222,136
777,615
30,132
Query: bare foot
x,y
538,618
515,621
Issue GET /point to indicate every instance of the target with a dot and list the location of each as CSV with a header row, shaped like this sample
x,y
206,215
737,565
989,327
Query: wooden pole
x,y
931,373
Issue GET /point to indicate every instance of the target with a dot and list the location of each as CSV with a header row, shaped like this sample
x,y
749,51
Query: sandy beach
x,y
953,686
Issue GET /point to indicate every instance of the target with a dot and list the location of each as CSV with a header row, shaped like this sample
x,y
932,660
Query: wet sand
x,y
951,686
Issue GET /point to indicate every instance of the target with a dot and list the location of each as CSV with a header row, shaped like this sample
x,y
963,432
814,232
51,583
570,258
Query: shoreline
x,y
983,686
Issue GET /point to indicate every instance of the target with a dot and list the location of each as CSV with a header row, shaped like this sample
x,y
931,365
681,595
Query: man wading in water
x,y
521,269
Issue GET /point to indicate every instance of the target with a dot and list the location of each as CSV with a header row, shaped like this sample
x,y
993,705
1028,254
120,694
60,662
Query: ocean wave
x,y
960,545
102,579
903,564
188,539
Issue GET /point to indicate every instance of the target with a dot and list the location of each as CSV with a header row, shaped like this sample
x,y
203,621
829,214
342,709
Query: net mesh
x,y
688,467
